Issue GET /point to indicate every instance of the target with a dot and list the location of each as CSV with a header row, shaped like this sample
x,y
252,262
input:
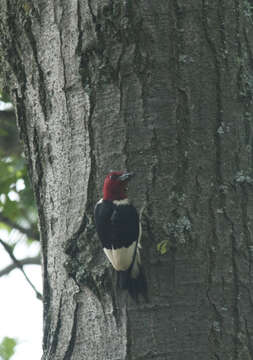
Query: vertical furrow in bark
x,y
245,77
222,31
236,313
236,305
216,326
92,194
182,107
45,102
246,223
47,293
60,20
71,341
123,117
249,338
182,114
213,241
247,281
51,339
219,110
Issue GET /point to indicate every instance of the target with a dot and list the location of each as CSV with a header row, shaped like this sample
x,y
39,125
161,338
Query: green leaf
x,y
162,247
7,348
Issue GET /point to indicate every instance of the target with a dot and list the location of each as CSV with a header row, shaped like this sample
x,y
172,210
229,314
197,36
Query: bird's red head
x,y
115,185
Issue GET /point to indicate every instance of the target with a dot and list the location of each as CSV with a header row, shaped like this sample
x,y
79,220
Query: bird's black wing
x,y
125,226
103,213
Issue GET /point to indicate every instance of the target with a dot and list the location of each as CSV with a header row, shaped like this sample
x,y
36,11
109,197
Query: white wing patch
x,y
121,202
121,259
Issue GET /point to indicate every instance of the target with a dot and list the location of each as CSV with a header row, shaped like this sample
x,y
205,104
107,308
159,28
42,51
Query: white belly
x,y
121,259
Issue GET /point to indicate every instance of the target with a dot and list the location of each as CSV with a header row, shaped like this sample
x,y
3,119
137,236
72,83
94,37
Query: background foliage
x,y
17,209
7,348
18,215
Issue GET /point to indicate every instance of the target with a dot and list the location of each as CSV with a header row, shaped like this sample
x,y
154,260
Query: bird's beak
x,y
126,176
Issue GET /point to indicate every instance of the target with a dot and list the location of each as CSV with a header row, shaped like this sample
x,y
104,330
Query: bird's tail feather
x,y
136,286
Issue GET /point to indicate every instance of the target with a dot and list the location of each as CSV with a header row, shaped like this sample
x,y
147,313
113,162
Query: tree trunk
x,y
164,89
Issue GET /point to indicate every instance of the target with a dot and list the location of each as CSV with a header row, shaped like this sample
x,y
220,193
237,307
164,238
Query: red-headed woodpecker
x,y
119,230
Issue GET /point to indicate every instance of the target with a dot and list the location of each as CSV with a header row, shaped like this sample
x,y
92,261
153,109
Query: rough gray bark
x,y
163,88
